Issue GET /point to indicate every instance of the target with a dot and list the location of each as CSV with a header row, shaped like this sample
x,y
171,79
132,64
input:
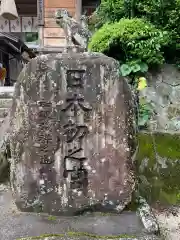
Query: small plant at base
x,y
52,218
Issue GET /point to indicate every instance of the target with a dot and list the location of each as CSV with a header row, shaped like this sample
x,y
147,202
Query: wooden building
x,y
37,17
36,28
13,36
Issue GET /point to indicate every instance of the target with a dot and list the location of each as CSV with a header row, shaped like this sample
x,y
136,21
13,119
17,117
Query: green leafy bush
x,y
163,14
111,10
145,112
114,10
174,18
157,12
131,41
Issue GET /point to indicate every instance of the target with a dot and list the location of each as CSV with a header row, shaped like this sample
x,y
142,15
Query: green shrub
x,y
157,12
174,19
131,40
111,10
162,13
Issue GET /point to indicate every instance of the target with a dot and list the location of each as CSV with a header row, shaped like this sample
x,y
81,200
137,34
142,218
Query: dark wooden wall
x,y
27,7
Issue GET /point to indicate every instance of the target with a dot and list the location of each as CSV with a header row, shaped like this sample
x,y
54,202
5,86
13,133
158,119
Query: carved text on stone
x,y
75,130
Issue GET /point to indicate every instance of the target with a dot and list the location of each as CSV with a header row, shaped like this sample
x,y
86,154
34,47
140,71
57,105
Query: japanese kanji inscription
x,y
74,108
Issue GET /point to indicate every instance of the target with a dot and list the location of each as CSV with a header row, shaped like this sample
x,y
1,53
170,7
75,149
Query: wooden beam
x,y
27,9
27,1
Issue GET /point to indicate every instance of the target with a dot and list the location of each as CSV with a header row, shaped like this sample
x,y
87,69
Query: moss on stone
x,y
79,234
158,167
52,218
168,145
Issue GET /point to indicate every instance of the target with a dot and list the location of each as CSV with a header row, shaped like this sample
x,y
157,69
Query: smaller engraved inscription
x,y
43,132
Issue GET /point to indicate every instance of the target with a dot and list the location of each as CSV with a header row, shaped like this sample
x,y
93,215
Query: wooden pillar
x,y
40,18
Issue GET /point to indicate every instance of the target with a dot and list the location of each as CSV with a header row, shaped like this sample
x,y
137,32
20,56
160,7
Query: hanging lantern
x,y
8,9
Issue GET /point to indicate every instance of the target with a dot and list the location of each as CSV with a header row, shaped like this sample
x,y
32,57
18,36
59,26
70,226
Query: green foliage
x,y
174,19
156,11
145,113
111,10
133,42
133,67
114,10
163,14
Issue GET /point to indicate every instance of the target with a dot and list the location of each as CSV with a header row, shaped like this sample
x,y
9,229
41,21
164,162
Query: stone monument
x,y
72,135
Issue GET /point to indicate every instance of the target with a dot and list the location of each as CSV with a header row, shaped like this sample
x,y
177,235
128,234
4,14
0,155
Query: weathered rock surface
x,y
72,135
147,217
6,95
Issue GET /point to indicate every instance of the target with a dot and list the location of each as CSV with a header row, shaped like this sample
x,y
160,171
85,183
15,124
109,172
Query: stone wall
x,y
163,92
158,160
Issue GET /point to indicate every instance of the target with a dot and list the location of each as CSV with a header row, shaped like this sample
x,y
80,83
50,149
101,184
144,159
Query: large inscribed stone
x,y
73,135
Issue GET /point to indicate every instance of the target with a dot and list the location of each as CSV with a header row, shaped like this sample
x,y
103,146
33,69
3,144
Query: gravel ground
x,y
169,222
